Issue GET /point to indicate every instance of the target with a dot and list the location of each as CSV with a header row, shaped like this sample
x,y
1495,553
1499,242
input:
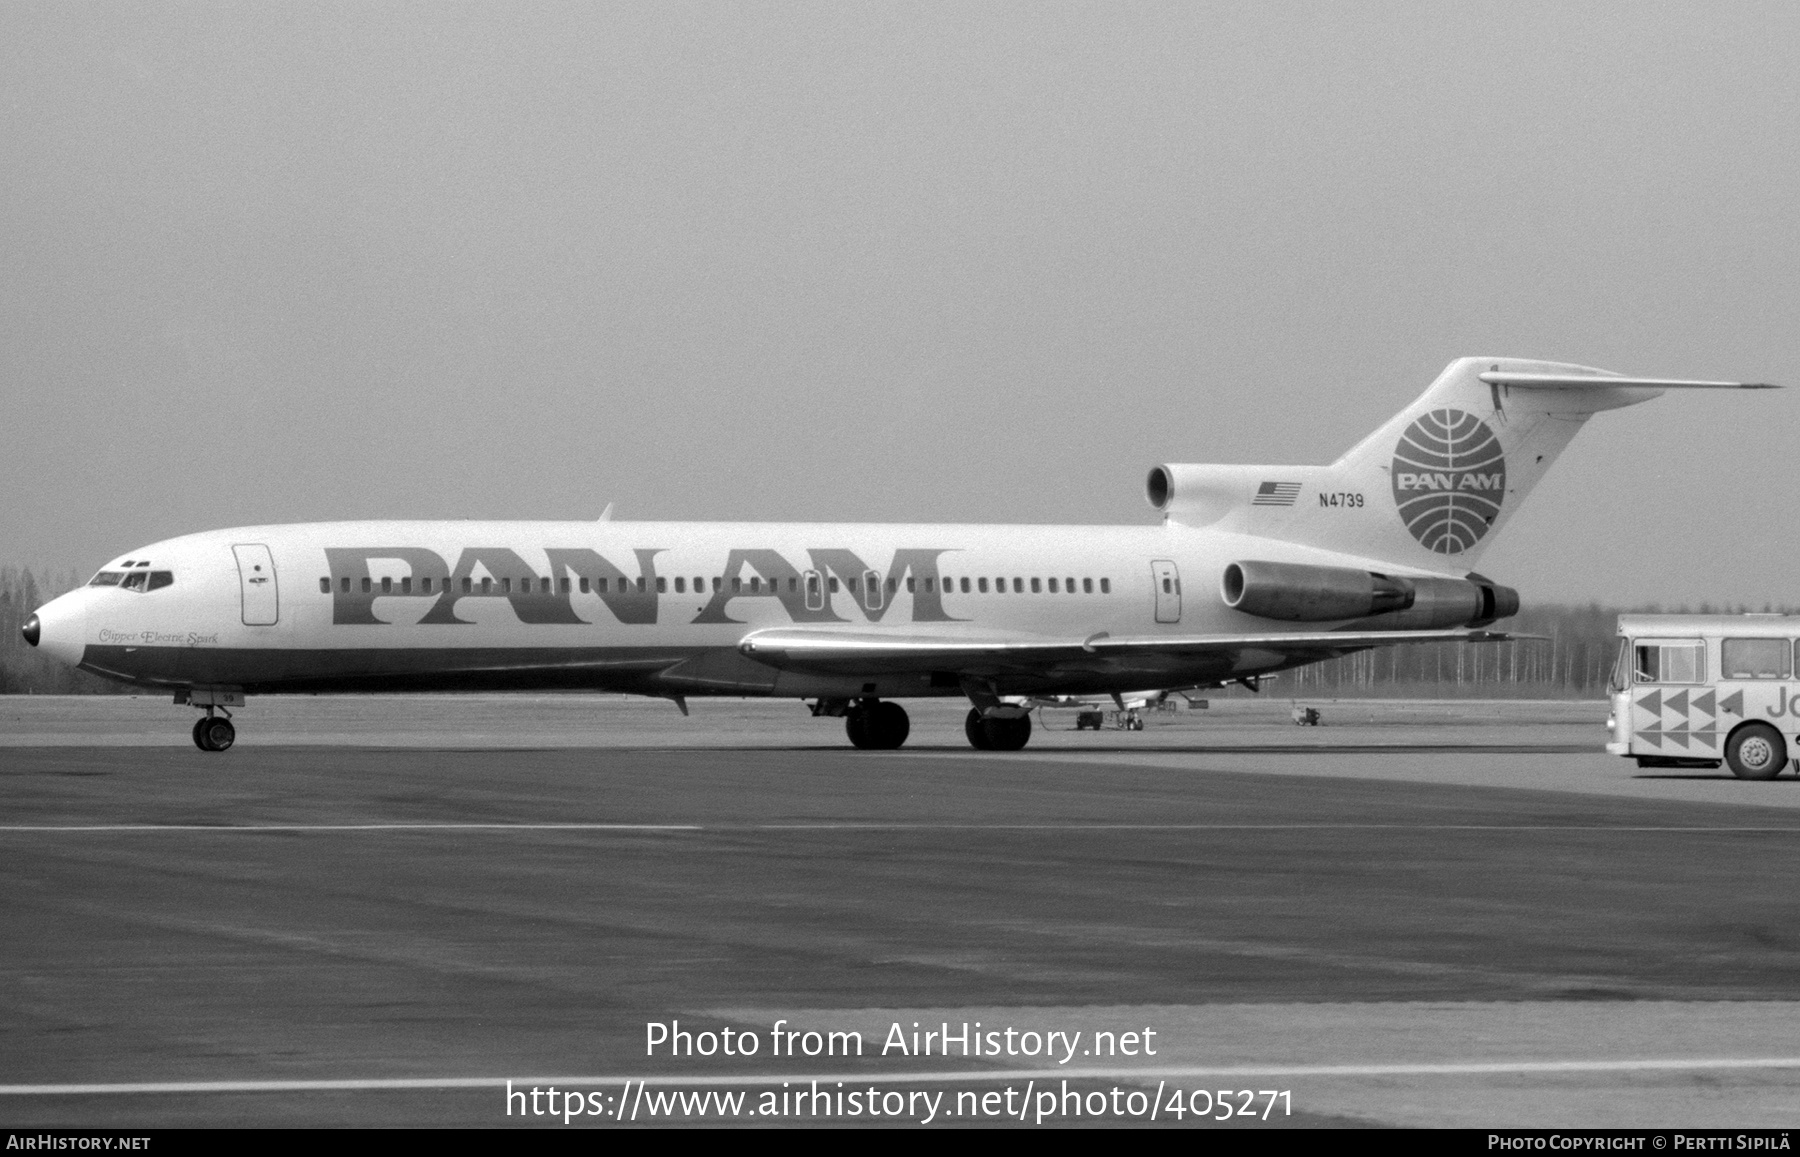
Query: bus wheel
x,y
1756,751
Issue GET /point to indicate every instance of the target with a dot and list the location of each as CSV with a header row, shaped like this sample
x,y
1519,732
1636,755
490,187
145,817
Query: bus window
x,y
1754,659
1621,672
1671,661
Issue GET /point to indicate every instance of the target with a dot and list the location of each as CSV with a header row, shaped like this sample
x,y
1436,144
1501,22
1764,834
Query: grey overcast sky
x,y
955,261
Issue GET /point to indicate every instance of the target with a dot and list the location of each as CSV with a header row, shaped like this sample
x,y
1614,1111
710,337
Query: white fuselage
x,y
652,607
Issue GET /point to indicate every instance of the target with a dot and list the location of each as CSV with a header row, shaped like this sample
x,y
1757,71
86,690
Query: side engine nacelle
x,y
1296,592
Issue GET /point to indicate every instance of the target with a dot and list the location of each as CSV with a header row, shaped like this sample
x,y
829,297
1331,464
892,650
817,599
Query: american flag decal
x,y
1276,494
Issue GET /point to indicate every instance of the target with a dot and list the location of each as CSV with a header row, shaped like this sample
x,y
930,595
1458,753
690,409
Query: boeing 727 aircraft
x,y
1254,569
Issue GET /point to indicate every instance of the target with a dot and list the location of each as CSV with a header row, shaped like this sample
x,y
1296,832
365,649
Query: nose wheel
x,y
214,733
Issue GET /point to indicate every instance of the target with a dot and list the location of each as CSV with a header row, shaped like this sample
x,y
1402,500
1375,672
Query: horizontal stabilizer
x,y
844,651
1596,381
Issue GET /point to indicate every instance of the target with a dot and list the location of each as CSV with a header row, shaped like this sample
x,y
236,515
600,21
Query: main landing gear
x,y
214,732
997,733
877,724
882,725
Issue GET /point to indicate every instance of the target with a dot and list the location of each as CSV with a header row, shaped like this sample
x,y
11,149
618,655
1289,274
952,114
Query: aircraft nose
x,y
60,627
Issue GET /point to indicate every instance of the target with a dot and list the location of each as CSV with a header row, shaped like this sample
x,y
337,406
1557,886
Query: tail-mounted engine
x,y
1296,592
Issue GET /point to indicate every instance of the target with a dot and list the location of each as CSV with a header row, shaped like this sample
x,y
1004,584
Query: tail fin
x,y
1434,486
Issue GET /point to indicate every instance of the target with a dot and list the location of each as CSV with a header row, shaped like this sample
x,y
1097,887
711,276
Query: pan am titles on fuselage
x,y
1253,569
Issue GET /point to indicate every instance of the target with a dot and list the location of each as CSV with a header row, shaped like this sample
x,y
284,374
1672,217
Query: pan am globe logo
x,y
1449,479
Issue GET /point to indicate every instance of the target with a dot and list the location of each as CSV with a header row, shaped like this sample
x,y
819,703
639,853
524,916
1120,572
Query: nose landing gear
x,y
213,732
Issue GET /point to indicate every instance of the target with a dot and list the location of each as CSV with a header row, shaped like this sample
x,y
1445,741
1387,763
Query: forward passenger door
x,y
256,580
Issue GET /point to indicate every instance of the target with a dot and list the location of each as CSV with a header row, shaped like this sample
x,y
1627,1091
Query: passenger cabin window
x,y
1755,659
1037,587
1087,586
1106,586
1670,661
981,585
965,586
662,586
324,586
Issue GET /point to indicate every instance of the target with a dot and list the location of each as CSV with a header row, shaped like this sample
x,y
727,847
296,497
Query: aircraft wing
x,y
843,652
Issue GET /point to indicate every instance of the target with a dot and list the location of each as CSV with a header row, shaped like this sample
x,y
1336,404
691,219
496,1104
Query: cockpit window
x,y
134,580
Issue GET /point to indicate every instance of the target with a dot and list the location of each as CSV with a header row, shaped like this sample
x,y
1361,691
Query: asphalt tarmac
x,y
1453,914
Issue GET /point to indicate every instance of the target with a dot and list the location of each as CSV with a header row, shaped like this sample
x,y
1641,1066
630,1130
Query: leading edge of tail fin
x,y
1433,486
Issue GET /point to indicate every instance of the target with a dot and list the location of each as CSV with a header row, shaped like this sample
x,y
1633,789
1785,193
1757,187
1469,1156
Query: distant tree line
x,y
25,670
1571,662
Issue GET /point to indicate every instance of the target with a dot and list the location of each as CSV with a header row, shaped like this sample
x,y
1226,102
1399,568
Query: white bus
x,y
1694,690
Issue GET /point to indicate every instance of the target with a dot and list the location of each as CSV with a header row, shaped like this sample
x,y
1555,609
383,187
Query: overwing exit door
x,y
1167,582
256,578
